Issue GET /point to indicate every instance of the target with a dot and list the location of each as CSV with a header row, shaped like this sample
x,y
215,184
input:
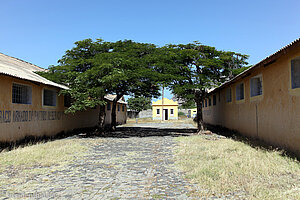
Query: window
x,y
209,101
108,106
228,95
240,91
49,98
123,108
214,99
205,102
157,111
172,111
21,94
67,100
118,107
295,72
256,86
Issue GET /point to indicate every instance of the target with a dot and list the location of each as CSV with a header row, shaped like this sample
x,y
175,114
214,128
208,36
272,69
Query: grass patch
x,y
42,154
224,166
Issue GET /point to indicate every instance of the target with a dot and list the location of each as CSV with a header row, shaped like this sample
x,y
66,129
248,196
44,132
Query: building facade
x,y
30,104
262,102
165,110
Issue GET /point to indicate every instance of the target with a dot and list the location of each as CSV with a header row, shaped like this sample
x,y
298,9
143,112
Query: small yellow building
x,y
192,113
165,109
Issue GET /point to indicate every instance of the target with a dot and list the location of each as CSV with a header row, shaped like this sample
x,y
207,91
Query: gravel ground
x,y
136,162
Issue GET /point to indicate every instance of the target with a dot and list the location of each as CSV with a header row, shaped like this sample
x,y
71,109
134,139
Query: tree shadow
x,y
121,132
127,132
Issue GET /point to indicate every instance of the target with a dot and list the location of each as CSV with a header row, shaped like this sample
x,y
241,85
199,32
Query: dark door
x,y
166,114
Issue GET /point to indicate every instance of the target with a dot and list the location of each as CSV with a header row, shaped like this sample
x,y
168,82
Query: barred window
x,y
21,94
256,86
295,72
123,108
240,91
118,107
228,95
214,99
209,101
49,98
67,100
205,102
172,111
157,111
108,106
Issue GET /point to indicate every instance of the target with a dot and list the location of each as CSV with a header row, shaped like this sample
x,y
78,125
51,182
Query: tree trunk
x,y
114,113
101,120
113,124
199,101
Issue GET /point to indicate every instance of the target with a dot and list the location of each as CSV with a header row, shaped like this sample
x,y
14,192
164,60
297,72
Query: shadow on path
x,y
125,132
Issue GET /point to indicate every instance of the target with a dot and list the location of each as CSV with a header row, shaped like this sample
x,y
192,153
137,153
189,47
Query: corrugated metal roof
x,y
24,70
111,97
268,59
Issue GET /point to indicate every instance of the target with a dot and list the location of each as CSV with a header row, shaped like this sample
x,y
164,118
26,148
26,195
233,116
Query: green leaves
x,y
139,103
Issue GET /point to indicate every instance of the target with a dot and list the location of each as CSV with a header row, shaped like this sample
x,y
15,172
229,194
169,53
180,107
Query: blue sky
x,y
41,31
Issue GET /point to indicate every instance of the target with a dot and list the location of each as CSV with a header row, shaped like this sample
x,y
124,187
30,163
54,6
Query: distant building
x,y
192,113
166,110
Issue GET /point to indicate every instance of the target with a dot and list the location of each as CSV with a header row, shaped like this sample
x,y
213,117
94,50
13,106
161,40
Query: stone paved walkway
x,y
138,164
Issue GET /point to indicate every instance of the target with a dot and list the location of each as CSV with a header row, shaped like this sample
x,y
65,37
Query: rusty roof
x,y
24,70
268,60
111,97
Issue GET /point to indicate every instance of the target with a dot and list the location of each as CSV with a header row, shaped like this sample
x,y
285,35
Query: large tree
x,y
201,68
92,70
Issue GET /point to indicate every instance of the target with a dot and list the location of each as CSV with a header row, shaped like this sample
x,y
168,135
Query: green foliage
x,y
181,113
139,103
200,68
94,69
239,70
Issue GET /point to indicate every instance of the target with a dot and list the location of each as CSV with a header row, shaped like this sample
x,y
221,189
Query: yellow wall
x,y
20,120
273,116
168,104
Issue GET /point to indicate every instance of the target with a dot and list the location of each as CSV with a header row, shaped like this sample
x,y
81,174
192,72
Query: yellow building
x,y
164,110
192,113
30,105
262,102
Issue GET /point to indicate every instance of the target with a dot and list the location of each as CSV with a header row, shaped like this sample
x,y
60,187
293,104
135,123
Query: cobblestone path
x,y
138,164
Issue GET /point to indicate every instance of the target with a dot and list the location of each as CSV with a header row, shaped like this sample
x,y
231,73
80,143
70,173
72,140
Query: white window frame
x,y
29,95
54,98
252,86
237,95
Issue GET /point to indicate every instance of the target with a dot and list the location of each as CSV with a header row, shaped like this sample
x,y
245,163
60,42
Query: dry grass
x,y
225,166
43,154
22,164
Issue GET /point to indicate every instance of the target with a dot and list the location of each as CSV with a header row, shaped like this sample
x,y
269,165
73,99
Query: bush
x,y
181,114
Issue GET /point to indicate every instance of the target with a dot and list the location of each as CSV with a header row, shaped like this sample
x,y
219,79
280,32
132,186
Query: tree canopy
x,y
139,103
93,69
201,68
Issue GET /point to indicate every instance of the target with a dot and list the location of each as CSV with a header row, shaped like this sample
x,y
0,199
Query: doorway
x,y
166,114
